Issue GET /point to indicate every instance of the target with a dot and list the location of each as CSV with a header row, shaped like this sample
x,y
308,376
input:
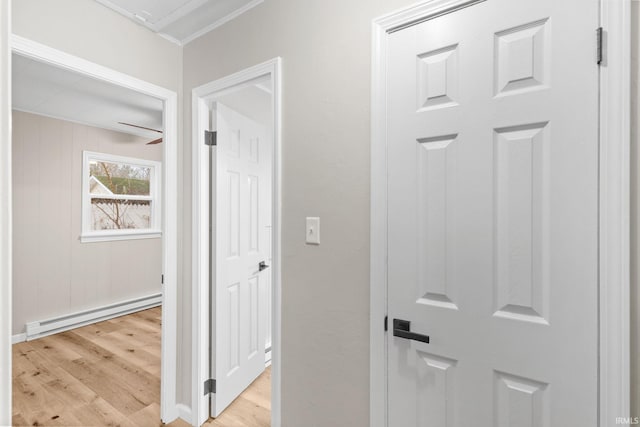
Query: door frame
x,y
200,244
50,56
614,321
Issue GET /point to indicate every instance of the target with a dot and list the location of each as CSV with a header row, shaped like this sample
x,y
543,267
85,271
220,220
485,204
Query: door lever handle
x,y
402,329
262,266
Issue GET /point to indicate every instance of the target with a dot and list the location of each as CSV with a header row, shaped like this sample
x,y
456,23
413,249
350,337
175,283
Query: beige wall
x,y
326,51
635,207
325,46
53,273
91,31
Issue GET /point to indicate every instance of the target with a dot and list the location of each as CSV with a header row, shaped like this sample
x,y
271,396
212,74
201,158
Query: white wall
x,y
635,208
5,213
53,273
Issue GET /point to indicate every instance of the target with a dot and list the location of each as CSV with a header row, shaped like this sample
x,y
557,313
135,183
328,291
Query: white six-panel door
x,y
241,288
493,216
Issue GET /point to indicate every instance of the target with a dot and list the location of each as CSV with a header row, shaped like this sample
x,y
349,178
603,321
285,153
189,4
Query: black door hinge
x,y
599,47
386,323
210,138
209,386
162,279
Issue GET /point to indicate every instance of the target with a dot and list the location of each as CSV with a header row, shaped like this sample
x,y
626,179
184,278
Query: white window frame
x,y
88,235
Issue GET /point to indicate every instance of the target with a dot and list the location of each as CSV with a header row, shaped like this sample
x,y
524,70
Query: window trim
x,y
155,231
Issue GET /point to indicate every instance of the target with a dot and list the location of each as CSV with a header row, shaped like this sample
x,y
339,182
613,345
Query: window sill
x,y
120,235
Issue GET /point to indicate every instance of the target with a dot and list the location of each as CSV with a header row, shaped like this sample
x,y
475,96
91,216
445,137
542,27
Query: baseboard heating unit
x,y
66,322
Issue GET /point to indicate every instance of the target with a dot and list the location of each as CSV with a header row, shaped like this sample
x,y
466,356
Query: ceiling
x,y
180,21
56,92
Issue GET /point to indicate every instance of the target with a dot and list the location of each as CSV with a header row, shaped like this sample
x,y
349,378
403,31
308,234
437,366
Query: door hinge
x,y
210,138
209,386
599,47
386,323
162,279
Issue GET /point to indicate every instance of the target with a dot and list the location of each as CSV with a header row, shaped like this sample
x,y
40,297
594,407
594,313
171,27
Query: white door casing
x,y
169,408
242,213
202,96
266,279
492,118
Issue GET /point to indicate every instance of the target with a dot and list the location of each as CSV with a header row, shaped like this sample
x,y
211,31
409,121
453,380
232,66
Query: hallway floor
x,y
108,374
251,409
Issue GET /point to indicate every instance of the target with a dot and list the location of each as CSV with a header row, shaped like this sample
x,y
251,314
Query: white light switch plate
x,y
313,230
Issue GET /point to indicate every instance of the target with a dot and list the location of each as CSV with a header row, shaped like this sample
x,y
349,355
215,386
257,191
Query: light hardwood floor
x,y
108,374
251,409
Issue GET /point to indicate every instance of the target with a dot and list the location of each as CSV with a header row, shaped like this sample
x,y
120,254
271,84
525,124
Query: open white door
x,y
242,252
493,216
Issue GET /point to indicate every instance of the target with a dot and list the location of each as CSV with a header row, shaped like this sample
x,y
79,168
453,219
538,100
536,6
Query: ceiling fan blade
x,y
155,141
140,127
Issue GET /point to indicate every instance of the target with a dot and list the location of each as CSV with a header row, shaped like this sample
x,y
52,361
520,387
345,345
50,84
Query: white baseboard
x,y
184,413
66,322
15,339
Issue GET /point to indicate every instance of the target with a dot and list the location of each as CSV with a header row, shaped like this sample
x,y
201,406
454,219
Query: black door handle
x,y
262,266
402,329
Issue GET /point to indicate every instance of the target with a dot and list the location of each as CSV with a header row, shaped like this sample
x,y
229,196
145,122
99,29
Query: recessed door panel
x,y
436,390
436,189
521,170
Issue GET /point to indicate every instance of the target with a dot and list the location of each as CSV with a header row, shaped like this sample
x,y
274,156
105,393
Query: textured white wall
x,y
53,273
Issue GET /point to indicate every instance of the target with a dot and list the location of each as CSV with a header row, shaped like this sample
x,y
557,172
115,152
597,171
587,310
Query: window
x,y
120,198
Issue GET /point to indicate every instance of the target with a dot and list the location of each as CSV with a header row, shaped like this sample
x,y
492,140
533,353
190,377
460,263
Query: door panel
x,y
242,183
493,216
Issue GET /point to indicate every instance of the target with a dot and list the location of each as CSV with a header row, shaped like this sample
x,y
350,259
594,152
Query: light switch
x,y
313,230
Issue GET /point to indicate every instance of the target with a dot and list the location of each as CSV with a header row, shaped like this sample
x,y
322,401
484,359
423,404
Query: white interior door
x,y
242,224
493,217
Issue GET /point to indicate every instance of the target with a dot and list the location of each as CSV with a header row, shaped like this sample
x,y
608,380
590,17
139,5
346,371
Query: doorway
x,y
164,227
236,267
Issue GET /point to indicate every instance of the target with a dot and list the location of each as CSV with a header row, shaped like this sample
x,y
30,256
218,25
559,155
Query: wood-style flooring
x,y
251,409
108,374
